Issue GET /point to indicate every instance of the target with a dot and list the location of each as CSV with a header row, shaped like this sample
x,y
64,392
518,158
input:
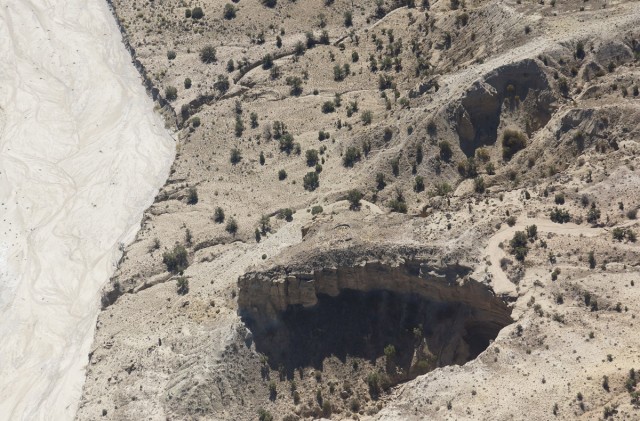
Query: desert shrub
x,y
299,48
253,117
560,216
192,196
236,156
377,382
187,13
445,150
208,54
176,260
187,83
171,54
311,181
232,226
197,13
441,189
418,184
286,143
282,174
395,166
229,11
269,3
267,62
348,18
354,196
390,352
295,84
351,156
222,84
468,168
519,245
218,215
559,199
632,213
512,142
182,285
580,50
593,214
171,93
312,157
478,184
380,183
397,205
264,415
286,214
366,117
239,126
532,231
328,107
316,210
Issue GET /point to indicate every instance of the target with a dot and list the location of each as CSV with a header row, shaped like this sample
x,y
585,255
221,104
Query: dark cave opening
x,y
418,334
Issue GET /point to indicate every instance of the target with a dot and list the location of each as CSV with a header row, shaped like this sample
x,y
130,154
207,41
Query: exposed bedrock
x,y
433,316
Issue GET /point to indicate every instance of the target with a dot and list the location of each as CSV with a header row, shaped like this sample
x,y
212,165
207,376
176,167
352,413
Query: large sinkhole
x,y
408,319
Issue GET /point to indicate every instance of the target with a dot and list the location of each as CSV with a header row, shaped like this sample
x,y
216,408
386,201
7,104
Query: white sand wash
x,y
81,156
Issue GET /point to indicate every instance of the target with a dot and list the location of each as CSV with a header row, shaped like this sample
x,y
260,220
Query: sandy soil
x,y
81,156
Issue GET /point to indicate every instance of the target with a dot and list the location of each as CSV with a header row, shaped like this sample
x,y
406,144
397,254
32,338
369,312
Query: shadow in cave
x,y
425,334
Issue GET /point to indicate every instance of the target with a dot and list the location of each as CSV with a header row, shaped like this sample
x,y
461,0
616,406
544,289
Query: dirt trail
x,y
499,280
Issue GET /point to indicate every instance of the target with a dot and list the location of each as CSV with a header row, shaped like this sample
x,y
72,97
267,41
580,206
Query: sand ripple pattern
x,y
81,156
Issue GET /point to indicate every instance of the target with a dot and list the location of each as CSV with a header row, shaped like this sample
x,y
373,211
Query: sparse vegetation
x,y
176,260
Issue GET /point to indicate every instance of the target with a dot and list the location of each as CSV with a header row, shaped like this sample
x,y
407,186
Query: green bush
x,y
176,260
519,245
512,142
351,156
208,54
397,205
232,226
171,54
182,285
218,215
478,184
197,13
441,189
380,183
282,174
229,11
171,93
269,3
192,196
236,156
593,214
311,181
267,62
296,85
560,216
366,117
187,83
348,18
316,210
418,184
445,150
286,143
328,107
264,415
312,157
354,196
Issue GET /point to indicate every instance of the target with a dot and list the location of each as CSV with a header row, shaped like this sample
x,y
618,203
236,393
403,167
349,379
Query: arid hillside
x,y
382,210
